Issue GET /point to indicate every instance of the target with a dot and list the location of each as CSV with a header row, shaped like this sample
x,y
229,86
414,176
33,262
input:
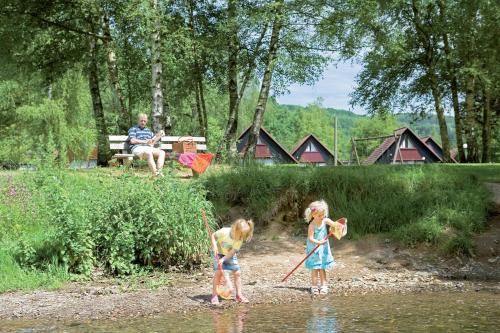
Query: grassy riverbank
x,y
432,203
75,222
61,225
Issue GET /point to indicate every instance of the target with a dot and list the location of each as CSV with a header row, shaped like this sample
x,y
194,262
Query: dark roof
x,y
301,142
427,139
304,140
272,139
375,155
401,130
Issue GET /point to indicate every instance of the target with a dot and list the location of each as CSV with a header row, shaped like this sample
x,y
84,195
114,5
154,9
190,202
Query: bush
x,y
82,220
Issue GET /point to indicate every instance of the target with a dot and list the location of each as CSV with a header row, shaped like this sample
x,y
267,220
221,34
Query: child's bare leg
x,y
324,287
322,277
314,277
237,282
216,282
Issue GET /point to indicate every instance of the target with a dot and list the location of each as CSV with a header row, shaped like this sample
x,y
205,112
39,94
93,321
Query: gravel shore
x,y
370,265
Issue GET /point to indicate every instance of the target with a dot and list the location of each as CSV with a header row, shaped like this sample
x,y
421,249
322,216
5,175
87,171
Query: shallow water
x,y
429,312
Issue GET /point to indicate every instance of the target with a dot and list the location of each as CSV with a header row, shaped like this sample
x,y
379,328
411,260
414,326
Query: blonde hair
x,y
237,226
142,115
315,206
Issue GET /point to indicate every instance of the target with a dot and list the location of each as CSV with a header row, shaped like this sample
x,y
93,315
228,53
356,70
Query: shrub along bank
x,y
72,222
437,204
57,225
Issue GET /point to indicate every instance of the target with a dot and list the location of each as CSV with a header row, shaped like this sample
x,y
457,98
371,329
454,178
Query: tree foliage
x,y
424,56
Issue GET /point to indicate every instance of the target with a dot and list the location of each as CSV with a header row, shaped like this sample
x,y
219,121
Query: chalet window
x,y
406,143
259,141
311,147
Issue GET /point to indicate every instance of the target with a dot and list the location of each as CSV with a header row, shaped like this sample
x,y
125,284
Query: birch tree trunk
x,y
266,81
198,75
232,80
486,135
125,119
161,118
471,127
452,78
102,131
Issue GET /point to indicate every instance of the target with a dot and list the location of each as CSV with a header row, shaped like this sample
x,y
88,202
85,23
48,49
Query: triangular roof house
x,y
267,150
404,147
436,148
310,150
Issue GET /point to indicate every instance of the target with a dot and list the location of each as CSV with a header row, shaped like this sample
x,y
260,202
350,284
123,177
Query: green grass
x,y
483,172
13,277
58,225
73,222
437,204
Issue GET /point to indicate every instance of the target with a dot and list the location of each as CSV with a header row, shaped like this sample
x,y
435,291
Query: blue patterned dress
x,y
322,257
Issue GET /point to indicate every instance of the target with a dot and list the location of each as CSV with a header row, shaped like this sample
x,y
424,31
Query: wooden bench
x,y
117,144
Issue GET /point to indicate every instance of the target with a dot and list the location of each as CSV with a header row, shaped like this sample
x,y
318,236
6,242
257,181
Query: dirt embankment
x,y
370,265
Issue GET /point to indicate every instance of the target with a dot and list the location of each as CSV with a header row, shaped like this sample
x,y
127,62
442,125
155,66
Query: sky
x,y
334,88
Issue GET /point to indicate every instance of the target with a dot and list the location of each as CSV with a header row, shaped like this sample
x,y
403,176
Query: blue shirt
x,y
141,134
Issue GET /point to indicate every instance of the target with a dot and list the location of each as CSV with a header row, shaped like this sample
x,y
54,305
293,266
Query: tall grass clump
x,y
79,220
17,216
415,204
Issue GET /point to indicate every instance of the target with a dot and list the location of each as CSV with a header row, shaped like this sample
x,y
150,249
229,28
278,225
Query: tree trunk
x,y
486,156
125,119
102,132
429,60
204,116
129,88
471,125
232,80
443,129
452,78
161,119
199,112
458,118
197,75
266,81
229,139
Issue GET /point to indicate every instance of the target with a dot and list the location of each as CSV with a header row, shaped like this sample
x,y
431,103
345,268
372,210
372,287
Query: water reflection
x,y
432,312
229,321
322,319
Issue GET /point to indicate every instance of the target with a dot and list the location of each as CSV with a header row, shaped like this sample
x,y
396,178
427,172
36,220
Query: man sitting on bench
x,y
142,140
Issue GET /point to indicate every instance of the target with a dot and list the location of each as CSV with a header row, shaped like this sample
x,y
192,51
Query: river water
x,y
425,312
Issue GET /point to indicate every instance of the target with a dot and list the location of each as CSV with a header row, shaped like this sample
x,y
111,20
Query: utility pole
x,y
335,150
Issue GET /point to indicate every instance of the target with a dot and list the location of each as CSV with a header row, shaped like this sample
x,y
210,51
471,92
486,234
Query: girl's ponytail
x,y
308,215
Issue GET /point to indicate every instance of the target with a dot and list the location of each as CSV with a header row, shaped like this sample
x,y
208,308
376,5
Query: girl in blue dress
x,y
317,217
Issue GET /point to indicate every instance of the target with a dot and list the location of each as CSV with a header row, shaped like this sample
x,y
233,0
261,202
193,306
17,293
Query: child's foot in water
x,y
323,290
241,299
214,300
